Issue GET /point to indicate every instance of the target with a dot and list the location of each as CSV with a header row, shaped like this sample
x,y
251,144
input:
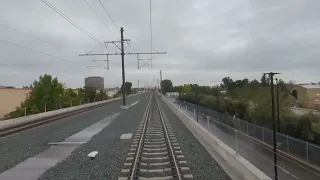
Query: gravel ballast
x,y
18,147
201,163
111,150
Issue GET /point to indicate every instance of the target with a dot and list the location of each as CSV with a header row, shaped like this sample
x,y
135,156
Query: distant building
x,y
309,94
312,92
94,82
10,98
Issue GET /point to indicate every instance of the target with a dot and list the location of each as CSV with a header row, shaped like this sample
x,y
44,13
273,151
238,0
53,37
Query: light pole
x,y
271,74
161,90
278,105
123,71
197,106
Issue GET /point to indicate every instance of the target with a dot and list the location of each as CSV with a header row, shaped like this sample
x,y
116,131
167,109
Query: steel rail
x,y
169,142
137,155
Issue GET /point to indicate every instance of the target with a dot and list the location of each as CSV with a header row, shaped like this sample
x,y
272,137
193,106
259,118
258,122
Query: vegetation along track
x,y
155,153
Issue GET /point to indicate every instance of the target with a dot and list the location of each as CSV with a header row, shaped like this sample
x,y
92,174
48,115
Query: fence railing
x,y
301,149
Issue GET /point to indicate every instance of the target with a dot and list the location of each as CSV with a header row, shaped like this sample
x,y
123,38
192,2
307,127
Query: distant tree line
x,y
49,94
251,101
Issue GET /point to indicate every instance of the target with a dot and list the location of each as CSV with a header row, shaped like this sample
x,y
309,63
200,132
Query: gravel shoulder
x,y
20,146
111,150
202,165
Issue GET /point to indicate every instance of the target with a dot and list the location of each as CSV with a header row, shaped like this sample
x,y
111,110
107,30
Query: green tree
x,y
102,95
70,98
186,88
89,94
265,80
45,95
166,86
227,83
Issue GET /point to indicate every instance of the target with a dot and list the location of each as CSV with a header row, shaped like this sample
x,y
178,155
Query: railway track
x,y
155,153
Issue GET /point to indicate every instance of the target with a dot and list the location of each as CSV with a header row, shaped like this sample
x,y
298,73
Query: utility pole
x,y
122,53
123,74
217,93
197,105
271,74
278,105
161,81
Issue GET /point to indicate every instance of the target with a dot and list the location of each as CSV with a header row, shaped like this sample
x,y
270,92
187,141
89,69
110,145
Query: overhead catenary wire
x,y
130,46
140,39
40,52
150,35
109,15
4,64
72,22
26,34
113,22
98,16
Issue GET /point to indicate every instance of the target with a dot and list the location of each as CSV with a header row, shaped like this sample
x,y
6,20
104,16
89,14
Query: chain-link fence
x,y
298,148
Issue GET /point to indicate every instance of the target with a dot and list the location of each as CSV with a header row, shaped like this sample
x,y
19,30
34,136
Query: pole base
x,y
124,107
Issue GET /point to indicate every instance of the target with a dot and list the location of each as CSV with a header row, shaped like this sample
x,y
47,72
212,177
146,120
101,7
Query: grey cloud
x,y
205,40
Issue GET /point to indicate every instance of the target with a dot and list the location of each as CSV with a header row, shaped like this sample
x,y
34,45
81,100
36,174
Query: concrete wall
x,y
10,98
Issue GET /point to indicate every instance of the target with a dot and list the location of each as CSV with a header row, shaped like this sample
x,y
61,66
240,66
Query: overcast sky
x,y
206,40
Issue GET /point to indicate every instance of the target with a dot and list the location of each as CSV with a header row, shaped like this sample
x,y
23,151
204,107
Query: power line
x,y
130,46
72,22
29,35
40,52
122,40
117,26
150,34
109,15
98,16
4,64
140,39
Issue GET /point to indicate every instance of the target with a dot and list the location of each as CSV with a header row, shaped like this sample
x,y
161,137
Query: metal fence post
x,y
307,149
236,131
45,108
80,101
288,150
208,121
25,111
60,105
234,123
194,112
